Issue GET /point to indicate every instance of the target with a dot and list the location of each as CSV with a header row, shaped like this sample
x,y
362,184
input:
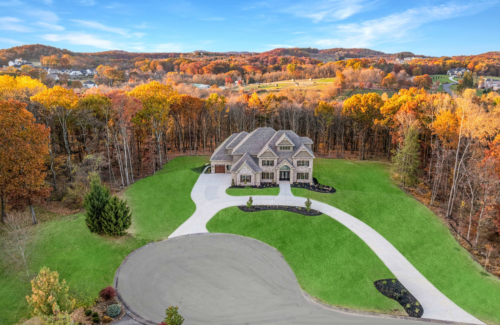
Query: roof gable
x,y
303,152
284,140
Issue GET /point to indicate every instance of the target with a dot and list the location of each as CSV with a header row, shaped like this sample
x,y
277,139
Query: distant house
x,y
399,61
89,84
53,76
457,72
489,83
51,71
75,73
201,86
18,63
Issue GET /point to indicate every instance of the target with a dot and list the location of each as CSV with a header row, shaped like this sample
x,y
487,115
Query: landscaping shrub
x,y
250,202
95,314
116,218
308,205
107,319
114,310
94,203
57,319
173,317
49,297
88,312
107,293
96,320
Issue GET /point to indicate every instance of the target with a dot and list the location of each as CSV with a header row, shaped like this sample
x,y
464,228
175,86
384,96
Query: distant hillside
x,y
33,52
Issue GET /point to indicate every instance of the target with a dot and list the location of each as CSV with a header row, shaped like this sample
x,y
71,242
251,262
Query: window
x,y
267,175
267,162
302,175
303,163
246,178
285,167
285,148
228,167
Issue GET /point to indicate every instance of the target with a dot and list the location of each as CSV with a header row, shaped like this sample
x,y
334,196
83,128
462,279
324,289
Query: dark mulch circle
x,y
303,211
393,289
317,187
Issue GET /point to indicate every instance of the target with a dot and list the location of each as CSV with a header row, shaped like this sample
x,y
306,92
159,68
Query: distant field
x,y
325,80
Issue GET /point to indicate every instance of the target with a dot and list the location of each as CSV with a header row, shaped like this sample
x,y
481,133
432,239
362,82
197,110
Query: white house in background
x,y
19,62
89,84
457,72
265,156
51,71
53,76
75,73
489,83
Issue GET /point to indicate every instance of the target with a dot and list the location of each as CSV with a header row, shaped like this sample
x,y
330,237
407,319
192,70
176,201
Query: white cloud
x,y
13,24
143,25
80,39
138,35
43,15
99,26
398,26
9,41
330,10
10,3
53,27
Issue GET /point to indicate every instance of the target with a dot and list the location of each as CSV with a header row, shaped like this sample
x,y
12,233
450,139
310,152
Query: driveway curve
x,y
222,279
209,195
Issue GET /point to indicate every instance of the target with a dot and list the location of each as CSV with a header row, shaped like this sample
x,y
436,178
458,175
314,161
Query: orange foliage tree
x,y
23,145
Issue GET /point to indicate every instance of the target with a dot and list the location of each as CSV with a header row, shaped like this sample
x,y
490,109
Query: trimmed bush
x,y
95,314
88,312
114,310
107,319
94,203
107,293
96,320
308,204
250,202
116,218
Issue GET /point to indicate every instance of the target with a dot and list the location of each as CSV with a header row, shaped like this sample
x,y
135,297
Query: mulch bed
x,y
101,307
265,185
393,289
317,187
303,211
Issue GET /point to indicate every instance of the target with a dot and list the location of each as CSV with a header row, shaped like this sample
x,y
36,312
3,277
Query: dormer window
x,y
285,148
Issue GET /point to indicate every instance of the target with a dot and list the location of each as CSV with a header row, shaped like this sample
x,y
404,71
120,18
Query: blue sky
x,y
424,27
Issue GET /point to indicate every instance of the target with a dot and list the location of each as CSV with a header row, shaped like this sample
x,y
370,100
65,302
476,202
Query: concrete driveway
x,y
221,279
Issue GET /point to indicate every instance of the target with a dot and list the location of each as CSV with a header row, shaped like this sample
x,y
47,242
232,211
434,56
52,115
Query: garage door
x,y
220,169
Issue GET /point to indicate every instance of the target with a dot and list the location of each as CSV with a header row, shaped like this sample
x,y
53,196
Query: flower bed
x,y
393,289
299,210
317,187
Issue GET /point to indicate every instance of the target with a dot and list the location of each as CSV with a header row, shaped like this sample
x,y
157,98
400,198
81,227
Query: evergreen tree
x,y
406,158
116,218
94,204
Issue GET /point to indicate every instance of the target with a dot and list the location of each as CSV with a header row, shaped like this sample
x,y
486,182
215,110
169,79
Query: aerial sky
x,y
435,28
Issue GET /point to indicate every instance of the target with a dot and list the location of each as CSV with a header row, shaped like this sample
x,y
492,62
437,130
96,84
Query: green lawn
x,y
88,262
330,262
253,191
162,203
365,190
325,80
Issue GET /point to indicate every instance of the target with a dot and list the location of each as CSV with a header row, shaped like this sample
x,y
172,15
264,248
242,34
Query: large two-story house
x,y
265,155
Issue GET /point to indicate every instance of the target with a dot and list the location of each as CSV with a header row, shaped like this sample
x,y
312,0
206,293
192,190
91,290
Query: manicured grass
x,y
330,262
253,191
88,262
325,80
162,203
365,190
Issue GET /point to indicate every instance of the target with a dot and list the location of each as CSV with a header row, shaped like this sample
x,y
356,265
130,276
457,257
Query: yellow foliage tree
x,y
157,99
61,102
49,296
19,88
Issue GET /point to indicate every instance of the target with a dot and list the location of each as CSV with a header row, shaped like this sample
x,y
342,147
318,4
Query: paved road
x,y
446,87
221,279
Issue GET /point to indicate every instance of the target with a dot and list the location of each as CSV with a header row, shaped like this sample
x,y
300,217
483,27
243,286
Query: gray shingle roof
x,y
306,140
221,153
254,141
251,163
237,140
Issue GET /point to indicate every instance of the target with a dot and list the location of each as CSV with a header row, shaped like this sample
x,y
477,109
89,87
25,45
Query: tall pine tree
x,y
116,218
94,204
406,158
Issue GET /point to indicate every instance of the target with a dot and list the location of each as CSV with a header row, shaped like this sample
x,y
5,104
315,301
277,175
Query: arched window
x,y
285,167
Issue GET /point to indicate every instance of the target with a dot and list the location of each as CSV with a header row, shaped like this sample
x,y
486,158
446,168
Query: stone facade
x,y
265,156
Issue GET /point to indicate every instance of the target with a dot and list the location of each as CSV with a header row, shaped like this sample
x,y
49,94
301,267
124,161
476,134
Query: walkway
x,y
446,87
209,194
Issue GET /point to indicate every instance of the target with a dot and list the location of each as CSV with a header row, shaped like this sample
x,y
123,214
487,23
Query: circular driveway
x,y
220,279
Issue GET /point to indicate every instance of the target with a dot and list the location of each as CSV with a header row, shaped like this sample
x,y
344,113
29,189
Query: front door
x,y
284,176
